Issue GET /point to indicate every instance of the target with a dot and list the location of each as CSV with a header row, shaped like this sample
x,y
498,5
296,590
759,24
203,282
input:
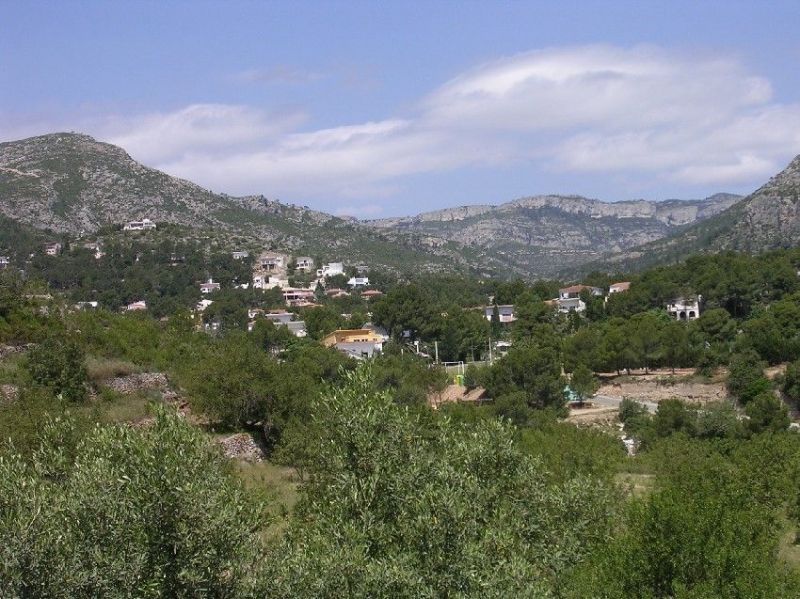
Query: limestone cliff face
x,y
546,234
769,218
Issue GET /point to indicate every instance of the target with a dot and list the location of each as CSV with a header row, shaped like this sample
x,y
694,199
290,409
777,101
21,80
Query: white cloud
x,y
206,128
646,112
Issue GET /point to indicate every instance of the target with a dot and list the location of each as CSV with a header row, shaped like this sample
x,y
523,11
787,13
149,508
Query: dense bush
x,y
151,512
59,364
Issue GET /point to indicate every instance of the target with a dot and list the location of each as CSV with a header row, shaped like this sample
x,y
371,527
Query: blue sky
x,y
388,108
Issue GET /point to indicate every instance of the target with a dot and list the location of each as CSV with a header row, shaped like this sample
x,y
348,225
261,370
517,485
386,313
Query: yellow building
x,y
352,336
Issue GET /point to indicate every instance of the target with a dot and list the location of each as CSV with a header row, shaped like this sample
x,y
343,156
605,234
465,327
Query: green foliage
x,y
746,377
583,382
408,377
404,505
704,532
532,369
791,382
153,511
59,364
767,413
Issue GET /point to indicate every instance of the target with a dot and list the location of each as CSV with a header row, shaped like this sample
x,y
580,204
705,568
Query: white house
x,y
298,297
619,287
358,282
331,269
86,305
4,261
569,298
279,318
139,225
240,255
52,249
209,287
506,313
203,304
685,308
272,263
304,263
136,306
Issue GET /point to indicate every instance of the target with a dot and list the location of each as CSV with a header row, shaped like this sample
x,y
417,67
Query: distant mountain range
x,y
546,234
71,183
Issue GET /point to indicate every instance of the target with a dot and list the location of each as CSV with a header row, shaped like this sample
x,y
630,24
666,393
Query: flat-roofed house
x,y
619,287
356,343
139,225
685,308
569,298
506,313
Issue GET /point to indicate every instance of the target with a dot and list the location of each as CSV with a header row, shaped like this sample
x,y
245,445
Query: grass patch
x,y
277,486
10,371
113,407
638,485
101,369
789,547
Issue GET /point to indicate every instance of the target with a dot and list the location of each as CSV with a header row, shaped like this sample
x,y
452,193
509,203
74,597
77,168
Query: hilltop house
x,y
209,287
358,282
330,270
569,298
356,343
505,311
685,308
139,225
272,263
298,297
619,287
52,249
279,318
304,264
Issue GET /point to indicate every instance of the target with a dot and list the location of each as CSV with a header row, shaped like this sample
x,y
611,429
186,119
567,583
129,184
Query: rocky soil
x,y
242,446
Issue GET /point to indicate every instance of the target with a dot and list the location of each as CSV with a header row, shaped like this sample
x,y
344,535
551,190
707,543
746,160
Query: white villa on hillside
x,y
209,286
569,298
358,282
619,287
280,318
139,225
506,313
304,263
331,269
685,308
52,249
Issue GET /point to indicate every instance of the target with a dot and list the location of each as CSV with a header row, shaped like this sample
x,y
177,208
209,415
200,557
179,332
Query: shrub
x,y
59,365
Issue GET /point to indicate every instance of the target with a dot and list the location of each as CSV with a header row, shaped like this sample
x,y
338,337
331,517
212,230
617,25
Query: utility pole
x,y
436,349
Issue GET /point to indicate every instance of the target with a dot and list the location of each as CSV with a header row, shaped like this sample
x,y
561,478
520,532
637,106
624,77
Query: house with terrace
x,y
569,298
685,308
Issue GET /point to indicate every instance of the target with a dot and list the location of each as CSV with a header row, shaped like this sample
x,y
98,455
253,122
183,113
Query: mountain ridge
x,y
72,183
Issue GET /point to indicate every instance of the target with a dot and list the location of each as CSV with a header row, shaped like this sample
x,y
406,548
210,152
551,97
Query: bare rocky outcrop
x,y
10,350
8,393
134,383
242,446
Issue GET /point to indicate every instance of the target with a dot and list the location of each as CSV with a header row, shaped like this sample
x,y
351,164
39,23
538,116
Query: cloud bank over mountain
x,y
642,112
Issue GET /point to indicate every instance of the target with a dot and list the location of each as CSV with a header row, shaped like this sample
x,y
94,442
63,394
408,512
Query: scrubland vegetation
x,y
369,492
